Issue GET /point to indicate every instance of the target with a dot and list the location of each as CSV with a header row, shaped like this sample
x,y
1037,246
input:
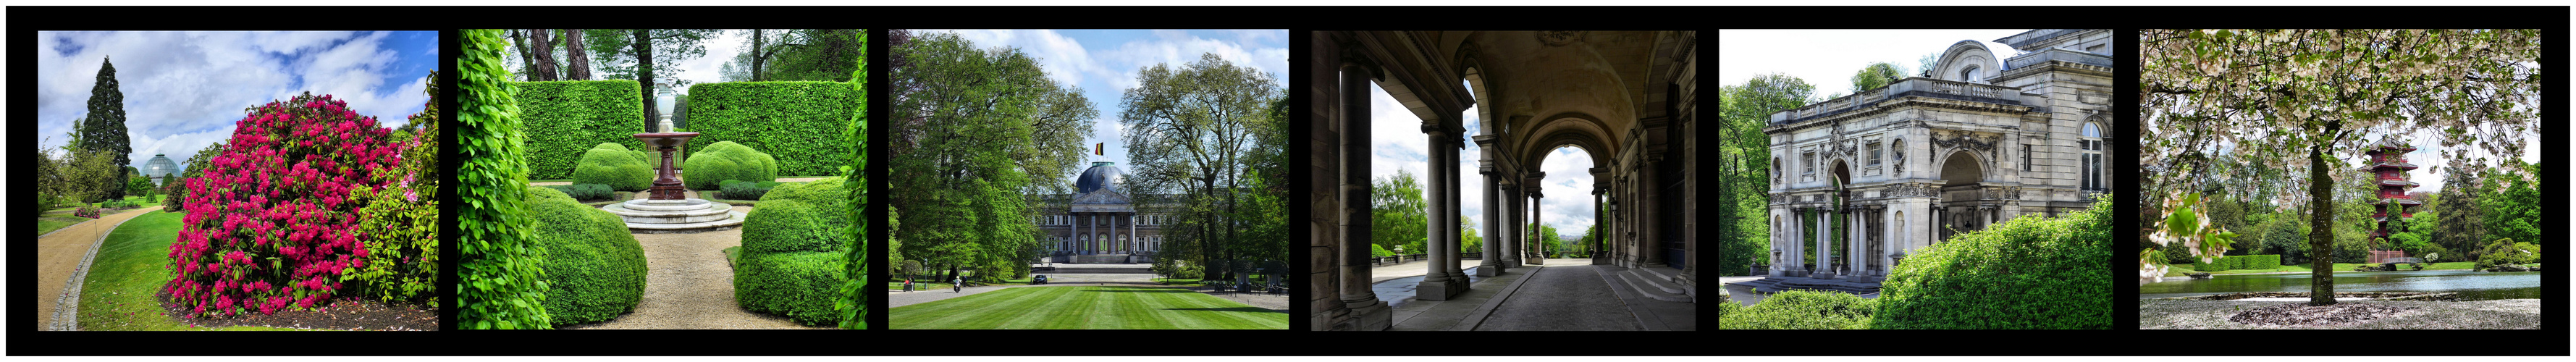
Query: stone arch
x,y
1474,76
1580,130
1967,61
1963,167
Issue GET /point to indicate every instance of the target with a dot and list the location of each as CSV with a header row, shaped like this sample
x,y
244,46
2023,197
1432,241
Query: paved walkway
x,y
1741,294
689,286
62,253
1414,269
1580,297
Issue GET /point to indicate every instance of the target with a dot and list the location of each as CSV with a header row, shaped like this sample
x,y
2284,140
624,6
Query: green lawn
x,y
1086,308
132,265
2182,269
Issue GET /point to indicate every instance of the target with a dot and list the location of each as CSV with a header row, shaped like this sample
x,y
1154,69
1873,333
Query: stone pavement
x,y
1539,297
62,255
1741,294
1414,269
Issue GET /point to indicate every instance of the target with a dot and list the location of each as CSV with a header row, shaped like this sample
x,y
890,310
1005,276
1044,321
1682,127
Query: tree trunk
x,y
2320,228
578,54
544,67
757,56
644,77
520,40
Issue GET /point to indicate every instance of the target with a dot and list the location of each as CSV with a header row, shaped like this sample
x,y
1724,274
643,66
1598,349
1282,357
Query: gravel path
x,y
691,287
61,253
2484,314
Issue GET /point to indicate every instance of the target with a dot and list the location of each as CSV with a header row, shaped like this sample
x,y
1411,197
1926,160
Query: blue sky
x,y
1399,144
1104,63
184,90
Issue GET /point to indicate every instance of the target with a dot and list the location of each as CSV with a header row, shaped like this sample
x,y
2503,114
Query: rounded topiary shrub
x,y
726,161
613,165
778,226
594,268
1799,309
2028,273
270,220
798,285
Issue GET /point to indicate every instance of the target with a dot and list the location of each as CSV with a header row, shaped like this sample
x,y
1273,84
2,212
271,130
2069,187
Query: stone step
x,y
712,208
731,220
1659,280
1650,289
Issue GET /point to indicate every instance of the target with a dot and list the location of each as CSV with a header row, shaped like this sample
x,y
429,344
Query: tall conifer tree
x,y
105,130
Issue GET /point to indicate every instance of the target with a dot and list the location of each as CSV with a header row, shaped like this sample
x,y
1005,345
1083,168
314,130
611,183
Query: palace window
x,y
1809,162
1968,75
2092,143
1874,153
2025,160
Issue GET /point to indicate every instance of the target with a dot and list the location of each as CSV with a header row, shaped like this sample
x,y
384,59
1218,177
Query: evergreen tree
x,y
105,130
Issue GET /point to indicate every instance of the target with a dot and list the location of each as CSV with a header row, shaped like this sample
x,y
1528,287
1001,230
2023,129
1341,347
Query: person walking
x,y
957,285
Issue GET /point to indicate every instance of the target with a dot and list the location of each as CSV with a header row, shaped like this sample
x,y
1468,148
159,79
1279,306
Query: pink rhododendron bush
x,y
271,224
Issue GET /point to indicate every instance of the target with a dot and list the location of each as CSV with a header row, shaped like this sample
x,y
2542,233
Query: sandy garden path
x,y
63,253
690,286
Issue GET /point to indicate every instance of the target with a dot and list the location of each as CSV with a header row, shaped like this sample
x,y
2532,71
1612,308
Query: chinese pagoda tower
x,y
2388,161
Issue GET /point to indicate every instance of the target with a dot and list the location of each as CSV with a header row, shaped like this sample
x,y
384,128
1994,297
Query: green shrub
x,y
500,280
802,123
594,268
2027,273
399,227
727,161
779,226
1380,251
613,165
798,285
746,190
584,191
1800,309
2254,262
564,116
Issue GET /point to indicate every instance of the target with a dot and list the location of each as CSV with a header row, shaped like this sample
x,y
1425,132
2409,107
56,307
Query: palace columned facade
x,y
1983,140
1100,223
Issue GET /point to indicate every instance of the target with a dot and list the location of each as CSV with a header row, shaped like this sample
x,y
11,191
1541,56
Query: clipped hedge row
x,y
594,269
798,285
794,248
802,123
565,118
746,190
2241,262
1800,309
614,165
2028,273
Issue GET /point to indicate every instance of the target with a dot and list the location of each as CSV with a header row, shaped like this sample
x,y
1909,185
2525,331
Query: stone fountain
x,y
669,209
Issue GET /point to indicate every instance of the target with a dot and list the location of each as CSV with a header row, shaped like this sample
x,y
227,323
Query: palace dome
x,y
1100,175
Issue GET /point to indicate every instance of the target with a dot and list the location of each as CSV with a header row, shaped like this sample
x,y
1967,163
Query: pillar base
x,y
1490,268
1374,316
1439,289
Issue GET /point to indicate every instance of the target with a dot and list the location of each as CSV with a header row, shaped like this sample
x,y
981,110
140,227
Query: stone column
x,y
1492,265
1436,283
1450,210
1510,201
1537,253
1824,243
1650,236
1355,155
1599,215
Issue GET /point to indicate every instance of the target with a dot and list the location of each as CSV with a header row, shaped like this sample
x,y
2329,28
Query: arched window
x,y
2092,144
1969,74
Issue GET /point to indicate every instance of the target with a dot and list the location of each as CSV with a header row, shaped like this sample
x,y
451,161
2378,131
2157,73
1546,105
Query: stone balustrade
x,y
2057,54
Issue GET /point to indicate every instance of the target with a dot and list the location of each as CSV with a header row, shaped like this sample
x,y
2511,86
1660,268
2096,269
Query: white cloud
x,y
184,90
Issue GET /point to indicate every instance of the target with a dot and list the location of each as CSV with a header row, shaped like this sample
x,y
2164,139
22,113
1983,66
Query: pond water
x,y
2470,284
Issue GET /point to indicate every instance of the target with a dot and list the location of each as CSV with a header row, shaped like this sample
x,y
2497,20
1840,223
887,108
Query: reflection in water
x,y
2471,285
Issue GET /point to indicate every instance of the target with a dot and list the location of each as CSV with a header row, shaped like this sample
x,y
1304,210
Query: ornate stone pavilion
x,y
1902,167
1627,98
1100,223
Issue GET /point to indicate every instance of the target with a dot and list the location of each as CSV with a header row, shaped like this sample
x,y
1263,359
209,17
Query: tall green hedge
x,y
500,281
801,123
2256,262
1800,309
565,118
2028,273
594,268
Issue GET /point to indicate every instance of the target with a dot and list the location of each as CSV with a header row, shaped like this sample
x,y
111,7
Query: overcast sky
x,y
1105,63
1828,58
185,90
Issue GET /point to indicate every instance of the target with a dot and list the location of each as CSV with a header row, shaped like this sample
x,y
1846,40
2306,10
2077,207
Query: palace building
x,y
1984,139
1100,223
